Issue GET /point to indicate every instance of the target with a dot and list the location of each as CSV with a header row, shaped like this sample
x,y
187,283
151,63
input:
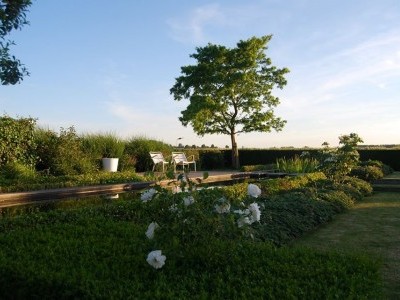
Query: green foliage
x,y
30,183
387,156
103,145
282,185
67,253
337,163
367,173
297,164
362,186
289,215
46,148
68,157
138,148
12,16
17,142
18,171
252,168
211,159
230,90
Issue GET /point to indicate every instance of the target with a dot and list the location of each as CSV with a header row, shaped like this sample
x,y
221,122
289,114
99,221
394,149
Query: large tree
x,y
230,90
12,16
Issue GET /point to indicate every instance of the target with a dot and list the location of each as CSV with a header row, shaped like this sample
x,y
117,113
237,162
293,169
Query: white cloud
x,y
191,28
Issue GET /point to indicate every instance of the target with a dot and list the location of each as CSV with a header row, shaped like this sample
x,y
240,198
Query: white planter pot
x,y
110,164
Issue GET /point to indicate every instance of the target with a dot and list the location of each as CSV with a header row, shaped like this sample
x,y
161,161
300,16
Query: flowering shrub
x,y
185,217
338,162
156,259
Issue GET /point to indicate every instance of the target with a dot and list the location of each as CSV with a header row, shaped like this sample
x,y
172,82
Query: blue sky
x,y
106,66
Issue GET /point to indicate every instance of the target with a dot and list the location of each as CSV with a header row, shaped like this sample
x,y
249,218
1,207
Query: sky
x,y
107,66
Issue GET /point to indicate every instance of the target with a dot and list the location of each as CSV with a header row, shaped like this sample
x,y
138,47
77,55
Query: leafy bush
x,y
340,199
17,142
281,185
367,173
361,185
46,148
338,162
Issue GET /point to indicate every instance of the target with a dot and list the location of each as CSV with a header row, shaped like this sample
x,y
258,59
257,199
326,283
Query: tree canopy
x,y
12,16
230,90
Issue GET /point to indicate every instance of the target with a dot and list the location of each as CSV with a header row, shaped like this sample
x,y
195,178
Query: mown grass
x,y
371,227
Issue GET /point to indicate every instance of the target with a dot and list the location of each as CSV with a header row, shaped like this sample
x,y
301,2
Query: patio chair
x,y
158,158
179,159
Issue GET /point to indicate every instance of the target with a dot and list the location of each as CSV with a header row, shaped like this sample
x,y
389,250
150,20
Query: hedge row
x,y
219,159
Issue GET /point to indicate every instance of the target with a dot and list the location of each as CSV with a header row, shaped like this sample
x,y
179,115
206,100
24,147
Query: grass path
x,y
371,227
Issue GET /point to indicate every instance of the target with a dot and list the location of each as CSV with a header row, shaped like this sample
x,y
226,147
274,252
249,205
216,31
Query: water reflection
x,y
66,203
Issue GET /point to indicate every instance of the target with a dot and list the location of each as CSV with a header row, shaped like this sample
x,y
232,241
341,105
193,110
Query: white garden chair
x,y
180,159
158,159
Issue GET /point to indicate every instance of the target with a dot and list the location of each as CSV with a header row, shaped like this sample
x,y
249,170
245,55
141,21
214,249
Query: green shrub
x,y
62,153
17,143
289,215
367,173
46,148
235,193
340,199
362,186
281,185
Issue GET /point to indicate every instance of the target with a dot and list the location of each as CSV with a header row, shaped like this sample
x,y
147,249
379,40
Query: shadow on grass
x,y
372,227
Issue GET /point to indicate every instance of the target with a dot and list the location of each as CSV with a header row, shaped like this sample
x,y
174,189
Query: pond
x,y
66,203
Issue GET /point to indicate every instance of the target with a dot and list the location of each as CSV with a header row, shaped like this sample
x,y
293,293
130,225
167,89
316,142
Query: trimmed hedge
x,y
390,157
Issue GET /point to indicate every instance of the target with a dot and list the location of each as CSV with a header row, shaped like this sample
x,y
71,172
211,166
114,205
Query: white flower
x,y
253,190
243,220
242,212
150,230
255,213
148,195
156,259
223,208
188,200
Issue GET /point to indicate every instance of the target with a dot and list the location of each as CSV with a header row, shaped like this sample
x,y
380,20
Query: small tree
x,y
338,162
12,16
230,91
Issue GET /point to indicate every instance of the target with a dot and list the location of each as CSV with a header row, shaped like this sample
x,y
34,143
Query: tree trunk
x,y
235,152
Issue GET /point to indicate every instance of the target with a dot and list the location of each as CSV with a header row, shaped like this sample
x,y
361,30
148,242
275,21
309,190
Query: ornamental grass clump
x,y
297,164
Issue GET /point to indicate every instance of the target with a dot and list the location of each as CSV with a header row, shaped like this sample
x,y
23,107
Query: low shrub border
x,y
99,252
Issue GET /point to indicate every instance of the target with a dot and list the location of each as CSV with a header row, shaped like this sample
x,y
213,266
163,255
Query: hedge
x,y
221,158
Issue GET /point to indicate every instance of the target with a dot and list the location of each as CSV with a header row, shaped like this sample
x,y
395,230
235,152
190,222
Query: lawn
x,y
372,227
